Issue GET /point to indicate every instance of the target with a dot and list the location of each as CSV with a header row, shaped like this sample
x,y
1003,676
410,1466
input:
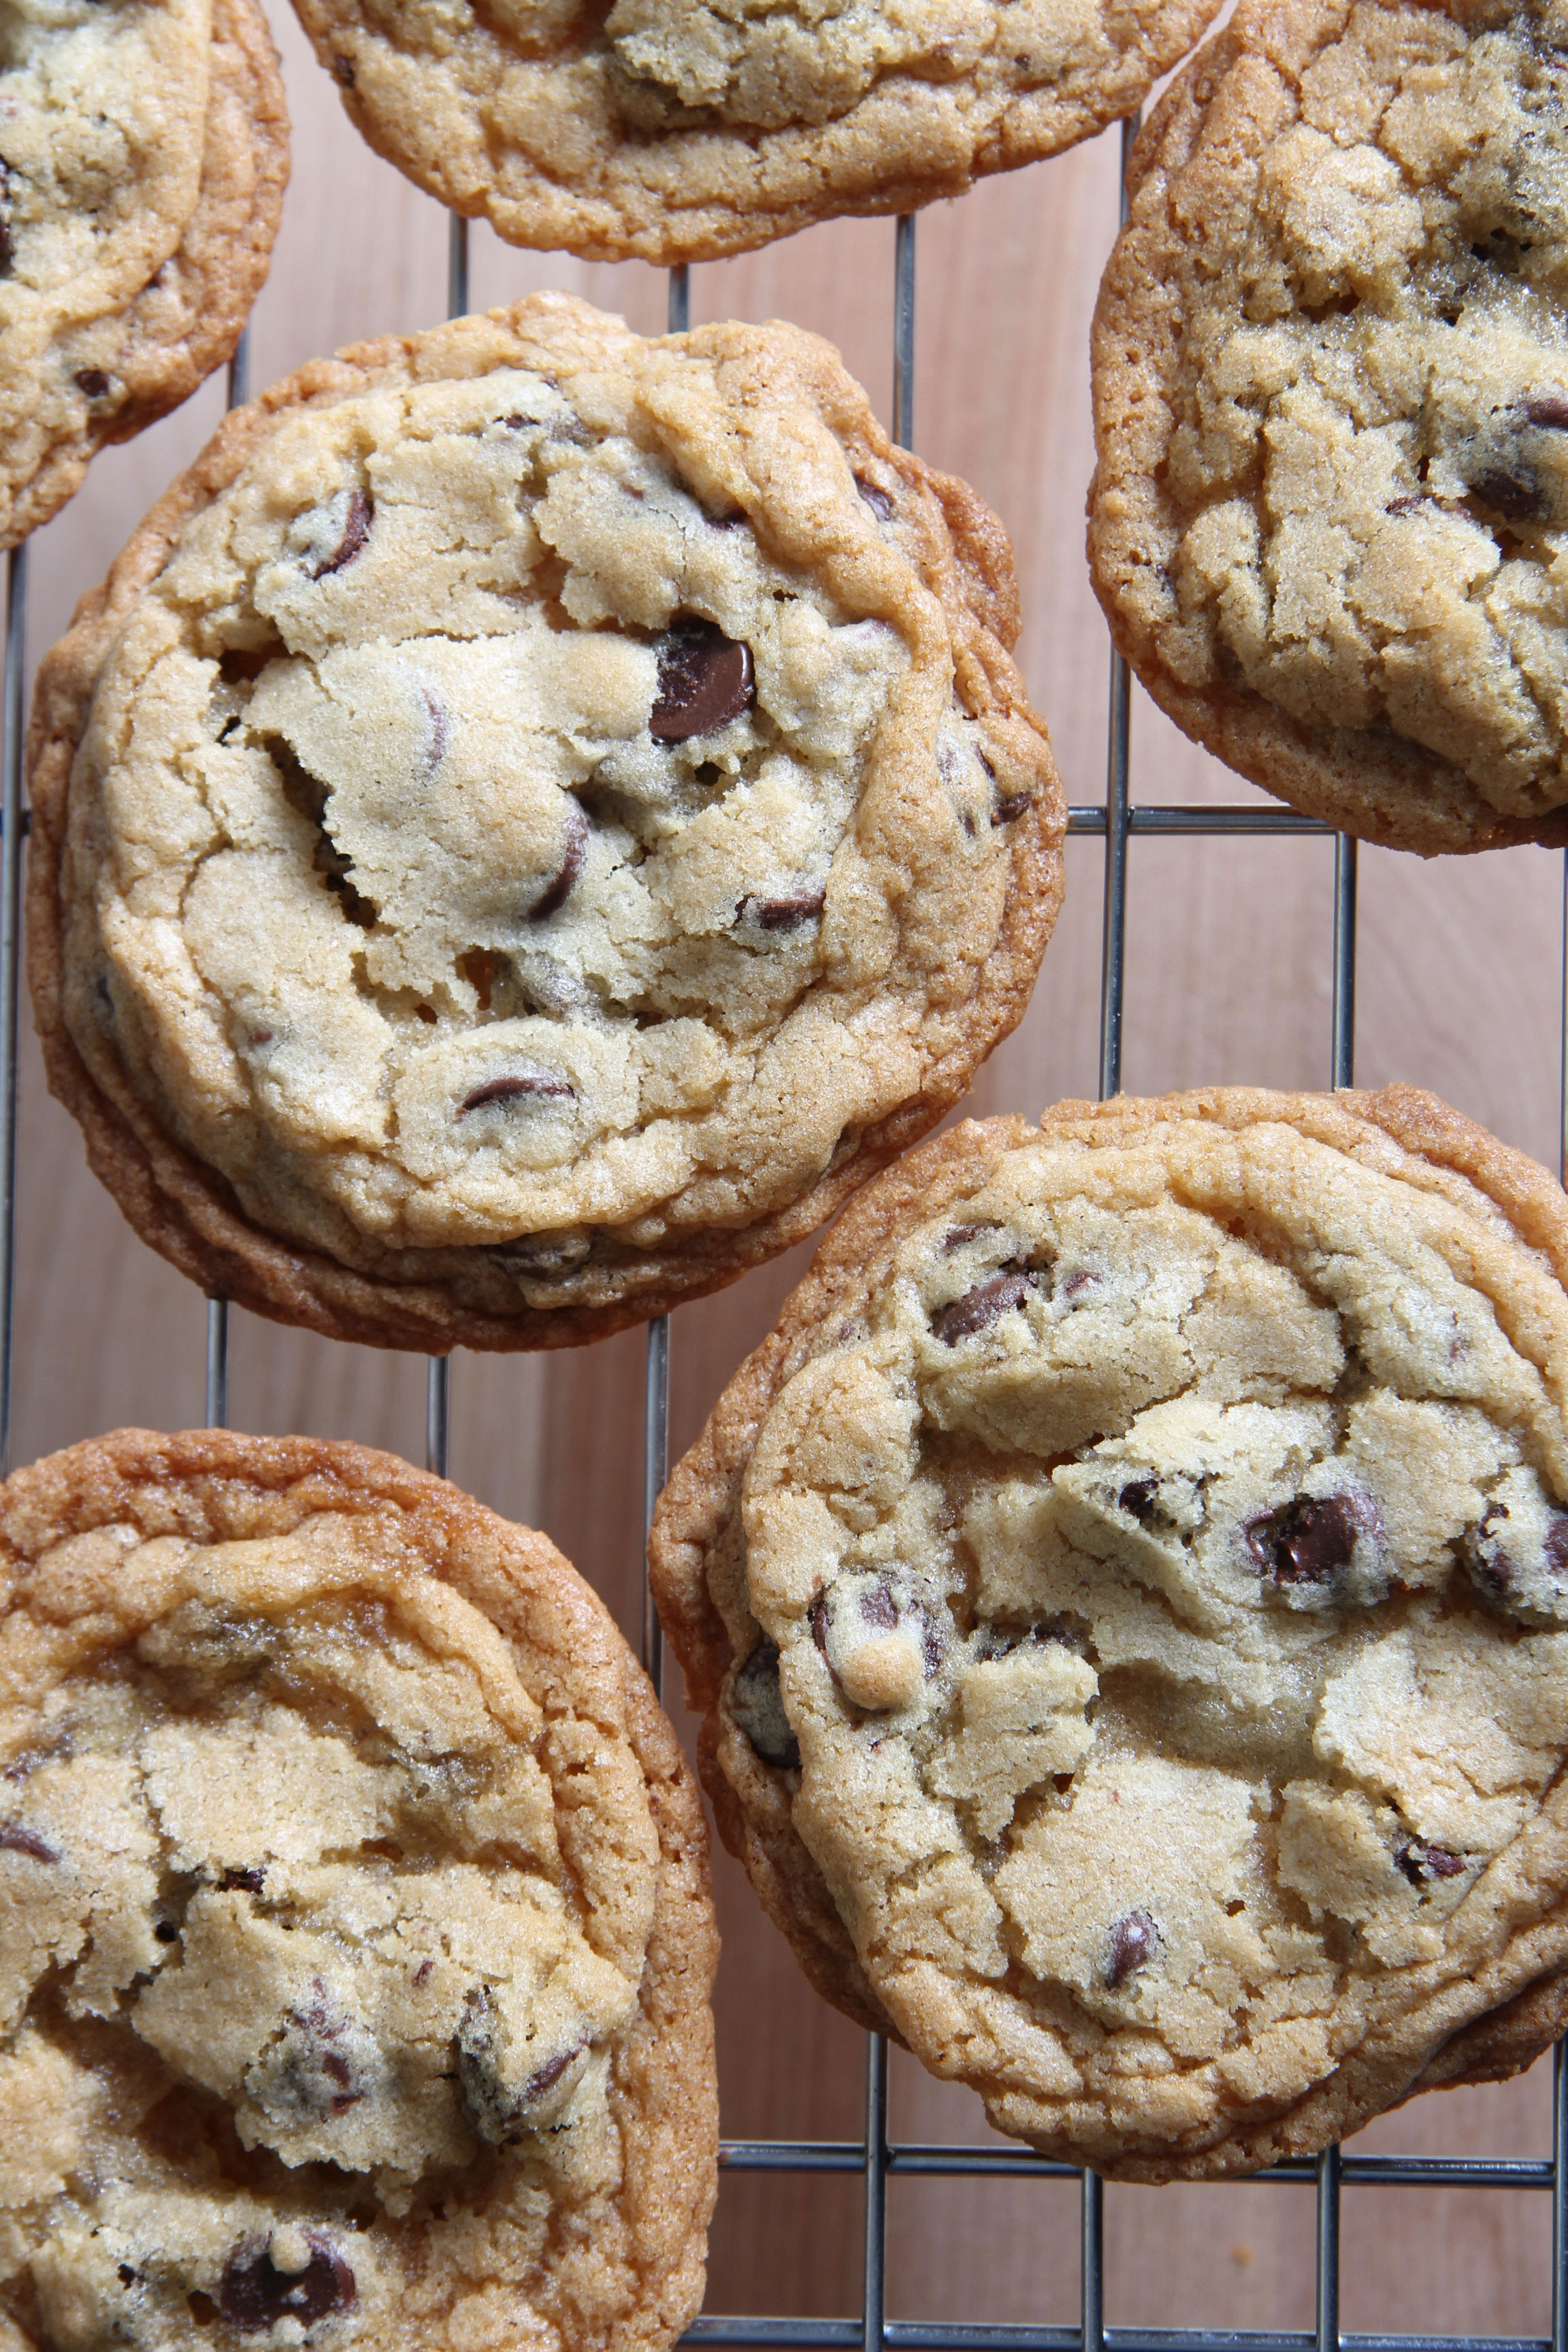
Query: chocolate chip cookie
x,y
355,1939
678,131
143,148
532,820
1331,375
1127,1601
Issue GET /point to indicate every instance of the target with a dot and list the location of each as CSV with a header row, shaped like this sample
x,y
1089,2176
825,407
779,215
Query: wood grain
x,y
1227,978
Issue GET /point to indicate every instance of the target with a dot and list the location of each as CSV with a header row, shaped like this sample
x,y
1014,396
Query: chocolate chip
x,y
1407,506
783,914
256,2295
877,1607
956,1235
1517,497
1138,1496
1311,1539
705,680
1014,806
498,2112
92,381
240,665
356,531
756,1705
1548,409
555,893
127,2276
14,1839
243,1882
817,1620
7,247
1080,1279
342,72
980,1307
166,1932
536,1083
423,1973
1421,1863
548,2075
1133,1944
880,504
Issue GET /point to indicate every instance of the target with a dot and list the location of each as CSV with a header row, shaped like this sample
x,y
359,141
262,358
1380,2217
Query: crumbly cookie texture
x,y
682,130
144,151
532,819
1330,370
1127,1598
355,1939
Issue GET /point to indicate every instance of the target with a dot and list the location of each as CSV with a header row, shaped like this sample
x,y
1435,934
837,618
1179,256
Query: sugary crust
x,y
1185,183
187,1211
216,1486
527,133
175,332
1484,2029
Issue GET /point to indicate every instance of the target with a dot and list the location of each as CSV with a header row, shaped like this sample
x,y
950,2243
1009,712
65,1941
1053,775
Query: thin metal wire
x,y
1560,2189
944,2161
240,370
904,332
974,2336
1196,818
438,1411
1113,818
1326,2336
679,311
1343,1040
1092,2274
217,1406
10,831
874,2158
655,1470
457,266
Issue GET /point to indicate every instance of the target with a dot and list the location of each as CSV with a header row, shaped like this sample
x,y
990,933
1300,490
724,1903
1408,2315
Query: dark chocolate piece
x,y
705,680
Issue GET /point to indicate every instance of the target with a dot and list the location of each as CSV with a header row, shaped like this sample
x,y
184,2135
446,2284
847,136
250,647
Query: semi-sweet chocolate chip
x,y
539,1084
1309,1540
785,914
557,892
256,2293
14,1839
756,1707
880,504
705,680
1421,1863
356,529
980,1307
1134,1941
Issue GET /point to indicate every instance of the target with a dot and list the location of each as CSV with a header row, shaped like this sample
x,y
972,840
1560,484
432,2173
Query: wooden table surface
x,y
1228,979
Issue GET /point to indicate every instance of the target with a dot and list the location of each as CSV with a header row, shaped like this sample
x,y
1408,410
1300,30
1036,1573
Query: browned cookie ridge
x,y
355,1938
533,819
1330,392
144,151
677,131
1199,1462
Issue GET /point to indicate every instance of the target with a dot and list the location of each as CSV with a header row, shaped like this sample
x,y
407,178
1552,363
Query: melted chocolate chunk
x,y
1515,497
536,1083
705,680
1013,807
548,2075
1080,1279
817,1620
784,914
1311,1539
1421,1863
1548,409
555,893
880,504
757,1704
499,2114
1133,1944
91,380
356,531
243,1882
256,2295
980,1307
14,1839
343,71
878,1607
7,246
1138,1496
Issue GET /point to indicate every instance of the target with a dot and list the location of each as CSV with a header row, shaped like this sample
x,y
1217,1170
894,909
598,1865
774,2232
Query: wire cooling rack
x,y
875,2158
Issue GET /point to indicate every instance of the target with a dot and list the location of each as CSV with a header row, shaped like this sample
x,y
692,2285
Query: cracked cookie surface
x,y
1127,1599
682,130
143,148
532,820
354,1930
1330,368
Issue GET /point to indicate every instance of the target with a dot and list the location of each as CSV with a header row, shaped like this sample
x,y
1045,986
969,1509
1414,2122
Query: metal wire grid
x,y
874,2158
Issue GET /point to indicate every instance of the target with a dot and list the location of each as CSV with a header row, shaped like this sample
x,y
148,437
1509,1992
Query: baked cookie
x,y
143,148
531,820
355,1939
1127,1601
683,129
1331,387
